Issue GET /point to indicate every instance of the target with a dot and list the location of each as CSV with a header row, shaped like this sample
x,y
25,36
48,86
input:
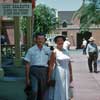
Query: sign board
x,y
15,9
97,4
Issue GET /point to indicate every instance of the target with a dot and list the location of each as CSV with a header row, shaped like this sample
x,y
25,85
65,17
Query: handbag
x,y
70,92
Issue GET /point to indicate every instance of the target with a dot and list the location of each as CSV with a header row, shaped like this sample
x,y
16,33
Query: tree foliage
x,y
88,15
44,19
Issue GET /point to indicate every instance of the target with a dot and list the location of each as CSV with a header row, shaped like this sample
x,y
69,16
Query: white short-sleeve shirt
x,y
66,44
35,56
84,43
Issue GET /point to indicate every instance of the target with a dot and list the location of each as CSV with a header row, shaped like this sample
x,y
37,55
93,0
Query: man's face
x,y
40,40
91,42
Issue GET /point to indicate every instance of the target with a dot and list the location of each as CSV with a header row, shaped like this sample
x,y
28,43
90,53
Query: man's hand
x,y
27,82
87,56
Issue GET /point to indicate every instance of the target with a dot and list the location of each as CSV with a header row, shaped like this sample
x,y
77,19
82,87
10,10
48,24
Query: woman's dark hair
x,y
60,36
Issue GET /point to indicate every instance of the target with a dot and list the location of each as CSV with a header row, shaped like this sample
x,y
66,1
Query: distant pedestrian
x,y
3,39
66,44
84,44
92,53
37,59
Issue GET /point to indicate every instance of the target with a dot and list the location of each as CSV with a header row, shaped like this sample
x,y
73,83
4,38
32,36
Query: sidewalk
x,y
86,85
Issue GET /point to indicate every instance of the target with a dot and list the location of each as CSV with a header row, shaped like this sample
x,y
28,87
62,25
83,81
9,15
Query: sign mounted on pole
x,y
15,9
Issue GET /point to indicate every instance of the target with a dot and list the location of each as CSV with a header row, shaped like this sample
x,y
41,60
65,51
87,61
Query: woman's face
x,y
59,43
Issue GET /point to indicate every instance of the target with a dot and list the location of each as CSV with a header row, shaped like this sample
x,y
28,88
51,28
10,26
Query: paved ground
x,y
86,85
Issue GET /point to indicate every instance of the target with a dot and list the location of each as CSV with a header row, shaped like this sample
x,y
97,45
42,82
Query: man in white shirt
x,y
84,44
66,44
36,60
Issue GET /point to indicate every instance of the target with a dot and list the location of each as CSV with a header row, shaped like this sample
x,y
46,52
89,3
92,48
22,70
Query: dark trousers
x,y
84,50
38,76
92,59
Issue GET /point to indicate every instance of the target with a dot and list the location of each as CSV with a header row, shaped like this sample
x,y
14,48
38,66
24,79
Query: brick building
x,y
71,28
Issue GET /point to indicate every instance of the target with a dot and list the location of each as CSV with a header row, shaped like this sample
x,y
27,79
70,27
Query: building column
x,y
30,21
17,59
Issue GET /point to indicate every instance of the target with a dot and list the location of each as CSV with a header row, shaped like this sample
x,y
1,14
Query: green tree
x,y
44,19
88,15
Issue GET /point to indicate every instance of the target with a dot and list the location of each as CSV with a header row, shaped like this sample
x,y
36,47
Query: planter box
x,y
14,71
12,88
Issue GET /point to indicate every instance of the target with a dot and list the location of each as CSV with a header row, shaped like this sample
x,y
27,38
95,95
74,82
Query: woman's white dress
x,y
61,75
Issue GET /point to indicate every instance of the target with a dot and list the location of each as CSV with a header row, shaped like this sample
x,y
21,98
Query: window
x,y
64,33
64,24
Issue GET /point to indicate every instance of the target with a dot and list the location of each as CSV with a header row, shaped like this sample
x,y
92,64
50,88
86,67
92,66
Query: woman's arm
x,y
70,72
51,65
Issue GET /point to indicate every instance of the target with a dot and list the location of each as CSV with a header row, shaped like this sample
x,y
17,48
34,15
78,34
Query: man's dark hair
x,y
39,34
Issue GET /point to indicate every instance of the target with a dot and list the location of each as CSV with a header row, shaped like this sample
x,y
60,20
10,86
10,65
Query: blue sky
x,y
62,5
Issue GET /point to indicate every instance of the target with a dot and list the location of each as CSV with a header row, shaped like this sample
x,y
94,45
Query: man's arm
x,y
27,71
87,49
70,72
97,51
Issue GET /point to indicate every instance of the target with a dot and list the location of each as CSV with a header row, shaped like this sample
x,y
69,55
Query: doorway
x,y
80,37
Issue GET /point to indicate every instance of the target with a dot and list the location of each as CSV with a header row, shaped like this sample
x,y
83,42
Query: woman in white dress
x,y
63,74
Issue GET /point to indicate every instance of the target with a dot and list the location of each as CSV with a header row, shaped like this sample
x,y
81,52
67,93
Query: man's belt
x,y
38,66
